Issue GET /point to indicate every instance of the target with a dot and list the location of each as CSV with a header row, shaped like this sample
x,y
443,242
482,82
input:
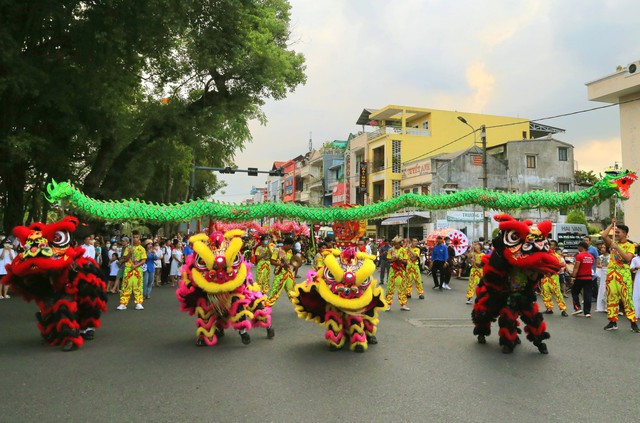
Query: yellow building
x,y
397,135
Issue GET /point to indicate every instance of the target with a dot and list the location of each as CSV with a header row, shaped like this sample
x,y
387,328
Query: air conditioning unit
x,y
632,68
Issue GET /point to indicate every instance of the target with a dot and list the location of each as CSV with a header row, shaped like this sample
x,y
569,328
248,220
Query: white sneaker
x,y
139,307
121,307
388,308
446,286
576,312
405,308
469,302
7,296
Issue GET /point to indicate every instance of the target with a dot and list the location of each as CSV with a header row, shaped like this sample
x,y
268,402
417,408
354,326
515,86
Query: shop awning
x,y
403,220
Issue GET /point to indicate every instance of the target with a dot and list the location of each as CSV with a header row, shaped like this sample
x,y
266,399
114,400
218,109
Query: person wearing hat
x,y
133,257
397,257
6,257
414,277
149,268
618,279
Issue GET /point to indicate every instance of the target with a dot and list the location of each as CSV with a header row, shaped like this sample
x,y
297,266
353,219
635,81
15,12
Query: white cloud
x,y
527,59
598,155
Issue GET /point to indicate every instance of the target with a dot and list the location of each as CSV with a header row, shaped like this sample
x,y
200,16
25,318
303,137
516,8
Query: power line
x,y
512,124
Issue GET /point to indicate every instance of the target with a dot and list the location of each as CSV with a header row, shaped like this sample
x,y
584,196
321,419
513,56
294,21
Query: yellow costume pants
x,y
474,278
131,281
550,286
619,289
397,282
414,278
281,280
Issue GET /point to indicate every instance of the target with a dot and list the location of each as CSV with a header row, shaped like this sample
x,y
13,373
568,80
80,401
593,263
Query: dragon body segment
x,y
614,182
343,297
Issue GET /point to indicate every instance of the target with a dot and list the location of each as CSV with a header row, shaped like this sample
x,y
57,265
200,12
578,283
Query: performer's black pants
x,y
164,274
584,286
438,268
384,269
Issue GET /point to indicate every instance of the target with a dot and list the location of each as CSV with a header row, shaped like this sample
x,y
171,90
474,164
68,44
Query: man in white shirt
x,y
89,249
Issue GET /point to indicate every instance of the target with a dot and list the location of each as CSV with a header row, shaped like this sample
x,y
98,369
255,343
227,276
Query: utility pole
x,y
485,218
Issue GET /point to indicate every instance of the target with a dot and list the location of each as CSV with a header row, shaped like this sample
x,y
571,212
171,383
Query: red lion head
x,y
46,248
525,244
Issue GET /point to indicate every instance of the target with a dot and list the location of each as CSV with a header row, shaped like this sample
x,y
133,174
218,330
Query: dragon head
x,y
618,181
524,244
216,265
47,248
347,278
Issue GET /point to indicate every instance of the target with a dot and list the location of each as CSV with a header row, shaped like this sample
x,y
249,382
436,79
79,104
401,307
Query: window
x,y
531,161
588,211
395,188
425,125
563,154
563,187
396,161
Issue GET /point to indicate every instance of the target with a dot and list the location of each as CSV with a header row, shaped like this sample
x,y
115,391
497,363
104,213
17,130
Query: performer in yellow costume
x,y
263,267
413,270
619,276
283,275
135,257
318,260
476,270
550,285
397,257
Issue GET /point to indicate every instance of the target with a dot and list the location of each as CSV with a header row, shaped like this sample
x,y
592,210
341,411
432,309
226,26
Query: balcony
x,y
303,197
391,130
304,171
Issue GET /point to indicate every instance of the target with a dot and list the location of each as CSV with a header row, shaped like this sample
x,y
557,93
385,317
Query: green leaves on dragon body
x,y
72,198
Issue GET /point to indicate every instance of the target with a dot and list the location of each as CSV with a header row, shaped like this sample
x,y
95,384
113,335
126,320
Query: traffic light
x,y
252,171
228,170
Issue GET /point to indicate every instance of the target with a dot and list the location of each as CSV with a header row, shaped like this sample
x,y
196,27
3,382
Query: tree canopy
x,y
123,97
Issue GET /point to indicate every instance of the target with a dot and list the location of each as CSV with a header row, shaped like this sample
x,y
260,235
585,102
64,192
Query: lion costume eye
x,y
199,262
237,261
328,276
61,238
511,238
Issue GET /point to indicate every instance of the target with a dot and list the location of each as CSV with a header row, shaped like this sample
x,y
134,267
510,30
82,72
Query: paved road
x,y
143,366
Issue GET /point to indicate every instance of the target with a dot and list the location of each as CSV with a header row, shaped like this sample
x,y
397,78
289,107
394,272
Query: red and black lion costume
x,y
67,287
511,274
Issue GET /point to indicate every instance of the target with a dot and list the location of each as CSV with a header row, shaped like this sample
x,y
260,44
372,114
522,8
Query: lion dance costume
x,y
343,297
66,286
217,286
511,273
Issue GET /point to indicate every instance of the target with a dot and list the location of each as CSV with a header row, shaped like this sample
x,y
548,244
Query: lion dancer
x,y
67,287
550,285
619,284
283,274
397,257
216,287
414,276
507,289
476,270
263,253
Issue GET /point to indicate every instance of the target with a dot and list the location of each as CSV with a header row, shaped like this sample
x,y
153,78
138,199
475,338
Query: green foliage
x,y
81,83
585,178
592,230
577,216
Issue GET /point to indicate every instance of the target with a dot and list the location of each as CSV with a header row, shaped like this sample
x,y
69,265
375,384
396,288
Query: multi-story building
x,y
356,169
516,166
402,134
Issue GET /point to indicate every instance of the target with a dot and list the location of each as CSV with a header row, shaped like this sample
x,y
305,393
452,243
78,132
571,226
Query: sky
x,y
528,59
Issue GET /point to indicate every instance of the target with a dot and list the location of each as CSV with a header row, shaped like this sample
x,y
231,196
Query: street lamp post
x,y
483,139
